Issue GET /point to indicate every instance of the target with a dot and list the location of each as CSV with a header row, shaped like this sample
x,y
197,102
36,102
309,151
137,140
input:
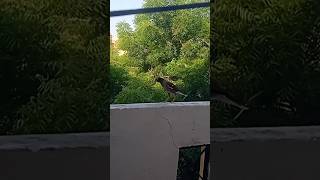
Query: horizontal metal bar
x,y
159,9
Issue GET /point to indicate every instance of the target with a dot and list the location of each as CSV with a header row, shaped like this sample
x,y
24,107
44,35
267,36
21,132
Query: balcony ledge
x,y
263,134
39,142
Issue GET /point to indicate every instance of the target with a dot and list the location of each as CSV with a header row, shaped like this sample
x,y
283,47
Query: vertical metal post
x,y
202,164
206,163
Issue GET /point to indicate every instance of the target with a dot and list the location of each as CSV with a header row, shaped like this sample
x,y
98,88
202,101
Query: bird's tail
x,y
180,93
224,99
240,112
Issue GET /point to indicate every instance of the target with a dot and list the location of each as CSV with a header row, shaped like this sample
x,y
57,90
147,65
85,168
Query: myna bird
x,y
170,88
220,94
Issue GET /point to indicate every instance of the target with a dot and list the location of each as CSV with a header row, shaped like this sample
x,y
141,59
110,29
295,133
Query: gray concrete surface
x,y
280,153
83,156
145,138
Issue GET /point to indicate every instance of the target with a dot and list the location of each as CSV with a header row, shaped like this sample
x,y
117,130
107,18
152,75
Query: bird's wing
x,y
171,87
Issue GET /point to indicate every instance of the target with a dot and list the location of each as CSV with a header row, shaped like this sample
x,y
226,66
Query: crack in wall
x,y
171,128
193,131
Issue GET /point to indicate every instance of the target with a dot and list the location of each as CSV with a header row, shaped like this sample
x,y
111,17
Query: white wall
x,y
145,138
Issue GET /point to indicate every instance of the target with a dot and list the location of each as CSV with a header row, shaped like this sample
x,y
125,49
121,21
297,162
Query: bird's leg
x,y
174,98
168,99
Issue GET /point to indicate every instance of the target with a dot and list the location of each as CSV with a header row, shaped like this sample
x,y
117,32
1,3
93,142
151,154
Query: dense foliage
x,y
271,49
55,76
54,66
174,44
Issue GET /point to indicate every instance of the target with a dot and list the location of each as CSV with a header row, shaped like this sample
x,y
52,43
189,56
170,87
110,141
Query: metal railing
x,y
159,9
194,163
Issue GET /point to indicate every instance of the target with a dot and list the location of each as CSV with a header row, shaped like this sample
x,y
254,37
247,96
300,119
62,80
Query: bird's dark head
x,y
159,79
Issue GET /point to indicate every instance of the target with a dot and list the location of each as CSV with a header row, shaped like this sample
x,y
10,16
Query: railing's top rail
x,y
159,9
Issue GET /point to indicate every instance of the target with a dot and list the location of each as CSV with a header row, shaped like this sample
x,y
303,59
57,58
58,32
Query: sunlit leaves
x,y
173,44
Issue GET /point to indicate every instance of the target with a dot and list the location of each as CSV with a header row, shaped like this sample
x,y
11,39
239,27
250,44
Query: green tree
x,y
54,66
29,49
174,44
267,46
